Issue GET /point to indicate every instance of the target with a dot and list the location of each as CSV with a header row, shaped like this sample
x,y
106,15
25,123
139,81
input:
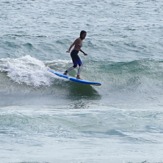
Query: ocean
x,y
46,119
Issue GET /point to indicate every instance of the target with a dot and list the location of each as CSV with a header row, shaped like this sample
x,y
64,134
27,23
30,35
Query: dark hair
x,y
82,32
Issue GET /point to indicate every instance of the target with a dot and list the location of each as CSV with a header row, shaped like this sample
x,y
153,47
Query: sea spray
x,y
26,69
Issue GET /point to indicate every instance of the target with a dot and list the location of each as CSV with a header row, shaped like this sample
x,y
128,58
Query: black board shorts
x,y
75,58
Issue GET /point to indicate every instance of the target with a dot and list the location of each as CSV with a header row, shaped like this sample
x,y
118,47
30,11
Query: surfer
x,y
77,44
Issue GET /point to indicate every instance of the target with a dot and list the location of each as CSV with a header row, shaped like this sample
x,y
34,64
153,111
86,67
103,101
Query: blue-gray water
x,y
44,119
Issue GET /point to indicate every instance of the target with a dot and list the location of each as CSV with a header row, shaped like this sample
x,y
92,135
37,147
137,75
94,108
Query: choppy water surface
x,y
46,119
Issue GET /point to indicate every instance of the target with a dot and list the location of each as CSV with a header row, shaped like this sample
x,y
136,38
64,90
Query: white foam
x,y
28,70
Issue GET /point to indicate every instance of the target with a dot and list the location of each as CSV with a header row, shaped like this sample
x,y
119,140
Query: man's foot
x,y
65,73
78,77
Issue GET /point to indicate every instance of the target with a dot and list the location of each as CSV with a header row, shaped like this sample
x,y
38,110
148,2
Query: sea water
x,y
45,119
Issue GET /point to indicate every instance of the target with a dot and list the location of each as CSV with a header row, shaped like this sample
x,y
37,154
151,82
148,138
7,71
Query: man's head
x,y
83,34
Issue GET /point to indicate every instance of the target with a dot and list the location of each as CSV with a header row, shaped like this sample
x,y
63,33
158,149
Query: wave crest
x,y
26,70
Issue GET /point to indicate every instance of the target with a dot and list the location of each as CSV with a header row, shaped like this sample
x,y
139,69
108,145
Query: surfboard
x,y
73,79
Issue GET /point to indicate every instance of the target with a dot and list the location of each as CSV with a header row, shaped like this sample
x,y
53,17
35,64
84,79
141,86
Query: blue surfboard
x,y
73,79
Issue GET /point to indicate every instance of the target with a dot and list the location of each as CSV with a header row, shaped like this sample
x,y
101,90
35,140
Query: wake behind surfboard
x,y
73,79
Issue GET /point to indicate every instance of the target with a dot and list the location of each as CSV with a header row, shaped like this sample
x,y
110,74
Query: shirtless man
x,y
77,44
